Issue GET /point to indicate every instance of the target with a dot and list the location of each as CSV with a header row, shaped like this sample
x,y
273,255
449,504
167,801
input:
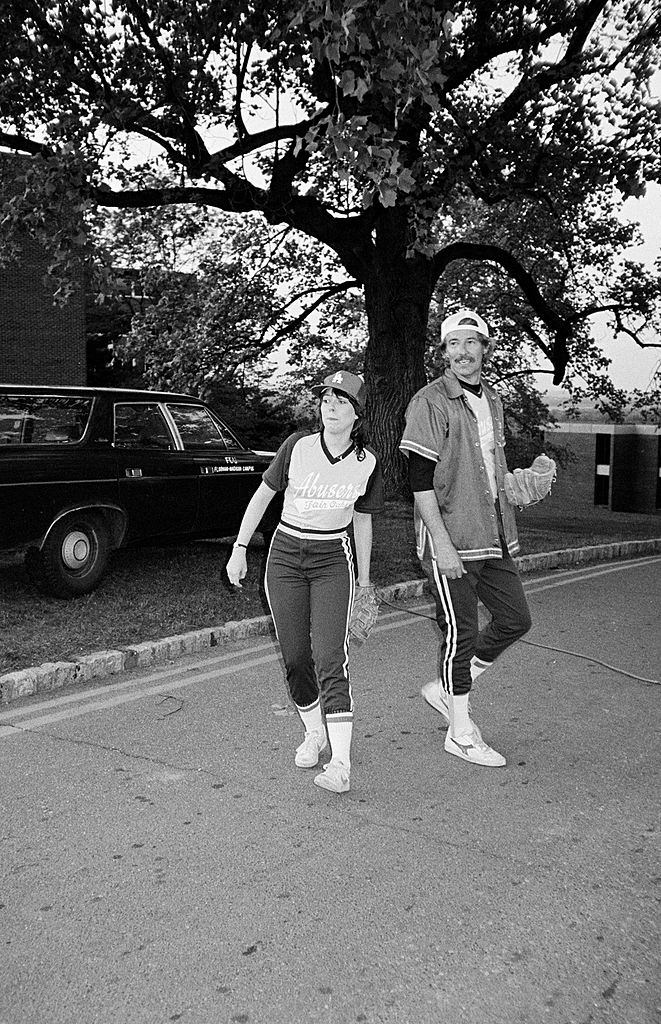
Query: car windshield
x,y
43,419
198,429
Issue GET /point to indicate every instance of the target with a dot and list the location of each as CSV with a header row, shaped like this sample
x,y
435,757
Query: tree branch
x,y
293,324
560,328
196,151
521,373
142,199
21,144
258,140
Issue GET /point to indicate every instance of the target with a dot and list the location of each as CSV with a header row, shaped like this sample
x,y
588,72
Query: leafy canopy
x,y
411,137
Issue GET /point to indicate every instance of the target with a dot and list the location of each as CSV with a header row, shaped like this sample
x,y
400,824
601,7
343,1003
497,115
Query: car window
x,y
199,429
141,425
43,419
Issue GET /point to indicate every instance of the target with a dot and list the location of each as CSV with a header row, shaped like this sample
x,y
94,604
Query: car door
x,y
229,473
49,464
158,481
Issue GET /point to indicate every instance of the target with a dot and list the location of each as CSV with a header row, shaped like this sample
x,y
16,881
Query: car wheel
x,y
75,555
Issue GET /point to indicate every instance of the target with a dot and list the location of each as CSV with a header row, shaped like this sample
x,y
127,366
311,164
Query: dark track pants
x,y
496,583
310,587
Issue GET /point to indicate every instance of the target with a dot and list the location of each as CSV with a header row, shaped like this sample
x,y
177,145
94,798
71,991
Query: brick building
x,y
616,466
40,343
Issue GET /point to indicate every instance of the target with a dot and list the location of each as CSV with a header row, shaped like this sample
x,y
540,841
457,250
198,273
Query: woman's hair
x,y
359,435
359,431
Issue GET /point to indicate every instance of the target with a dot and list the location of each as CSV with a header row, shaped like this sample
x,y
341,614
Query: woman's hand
x,y
237,566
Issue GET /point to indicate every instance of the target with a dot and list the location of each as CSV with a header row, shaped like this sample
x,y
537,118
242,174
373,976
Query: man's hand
x,y
448,561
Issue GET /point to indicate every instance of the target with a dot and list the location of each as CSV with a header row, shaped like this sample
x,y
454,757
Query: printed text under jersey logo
x,y
313,495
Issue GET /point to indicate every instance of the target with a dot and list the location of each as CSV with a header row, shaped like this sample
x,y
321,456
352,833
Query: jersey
x,y
321,490
482,412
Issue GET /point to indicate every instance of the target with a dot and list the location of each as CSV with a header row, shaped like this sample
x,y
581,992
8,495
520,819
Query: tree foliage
x,y
408,137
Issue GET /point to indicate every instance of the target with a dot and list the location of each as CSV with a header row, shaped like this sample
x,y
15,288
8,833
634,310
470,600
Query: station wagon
x,y
86,470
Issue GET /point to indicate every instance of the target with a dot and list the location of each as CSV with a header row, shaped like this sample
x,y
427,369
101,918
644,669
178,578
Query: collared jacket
x,y
441,426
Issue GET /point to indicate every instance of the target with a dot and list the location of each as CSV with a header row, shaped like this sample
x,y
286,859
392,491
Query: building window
x,y
602,471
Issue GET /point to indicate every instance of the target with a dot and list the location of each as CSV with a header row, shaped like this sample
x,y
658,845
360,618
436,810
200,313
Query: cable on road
x,y
169,696
546,647
613,668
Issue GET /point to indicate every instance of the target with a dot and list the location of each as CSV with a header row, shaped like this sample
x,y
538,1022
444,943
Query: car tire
x,y
75,555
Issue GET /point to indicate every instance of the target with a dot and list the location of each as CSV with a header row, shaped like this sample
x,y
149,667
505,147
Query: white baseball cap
x,y
464,320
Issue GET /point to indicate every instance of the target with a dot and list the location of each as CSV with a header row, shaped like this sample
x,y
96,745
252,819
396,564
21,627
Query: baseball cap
x,y
349,384
464,320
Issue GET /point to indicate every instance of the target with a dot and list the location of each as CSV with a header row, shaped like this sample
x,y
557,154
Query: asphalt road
x,y
163,859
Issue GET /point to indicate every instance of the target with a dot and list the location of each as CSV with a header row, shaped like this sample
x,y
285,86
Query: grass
x,y
154,592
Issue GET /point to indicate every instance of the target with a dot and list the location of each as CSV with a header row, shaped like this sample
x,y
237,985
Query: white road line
x,y
162,674
585,571
534,588
126,698
562,579
225,664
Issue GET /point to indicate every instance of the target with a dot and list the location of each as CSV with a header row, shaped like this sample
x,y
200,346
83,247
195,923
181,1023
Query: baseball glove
x,y
363,613
525,487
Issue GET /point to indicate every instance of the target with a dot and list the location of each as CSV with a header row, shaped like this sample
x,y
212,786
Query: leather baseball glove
x,y
363,613
526,487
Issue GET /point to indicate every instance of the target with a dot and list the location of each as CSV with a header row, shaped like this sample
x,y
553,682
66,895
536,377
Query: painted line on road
x,y
113,697
562,579
125,698
21,722
162,674
534,588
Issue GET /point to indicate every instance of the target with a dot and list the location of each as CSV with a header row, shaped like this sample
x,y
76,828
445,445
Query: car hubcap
x,y
75,549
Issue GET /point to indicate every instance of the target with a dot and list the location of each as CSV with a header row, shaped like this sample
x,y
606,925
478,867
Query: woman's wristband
x,y
236,544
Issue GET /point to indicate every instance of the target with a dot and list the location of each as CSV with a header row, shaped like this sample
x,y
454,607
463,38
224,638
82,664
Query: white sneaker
x,y
334,777
307,755
471,747
436,698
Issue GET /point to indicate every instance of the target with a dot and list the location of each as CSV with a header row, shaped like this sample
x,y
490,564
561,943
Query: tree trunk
x,y
397,297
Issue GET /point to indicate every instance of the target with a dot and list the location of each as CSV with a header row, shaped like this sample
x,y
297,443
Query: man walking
x,y
465,527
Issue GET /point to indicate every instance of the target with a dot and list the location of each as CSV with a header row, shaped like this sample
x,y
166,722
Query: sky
x,y
631,366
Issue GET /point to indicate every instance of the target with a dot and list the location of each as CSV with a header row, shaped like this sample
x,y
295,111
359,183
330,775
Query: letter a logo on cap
x,y
337,379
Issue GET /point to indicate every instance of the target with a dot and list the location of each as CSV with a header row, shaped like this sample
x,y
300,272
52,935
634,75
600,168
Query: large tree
x,y
368,125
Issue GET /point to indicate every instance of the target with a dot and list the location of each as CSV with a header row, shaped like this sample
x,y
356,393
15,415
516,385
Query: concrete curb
x,y
104,664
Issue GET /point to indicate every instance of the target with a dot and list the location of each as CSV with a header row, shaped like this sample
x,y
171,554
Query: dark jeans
x,y
310,586
496,583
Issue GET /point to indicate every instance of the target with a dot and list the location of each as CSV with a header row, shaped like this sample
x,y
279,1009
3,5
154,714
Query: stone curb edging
x,y
103,664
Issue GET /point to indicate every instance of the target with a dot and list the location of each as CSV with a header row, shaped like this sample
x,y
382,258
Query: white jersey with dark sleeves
x,y
321,490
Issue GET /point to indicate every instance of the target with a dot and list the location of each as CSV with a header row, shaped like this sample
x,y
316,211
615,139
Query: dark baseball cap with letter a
x,y
349,384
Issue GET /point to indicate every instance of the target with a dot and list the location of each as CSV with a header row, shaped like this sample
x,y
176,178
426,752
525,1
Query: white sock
x,y
311,717
340,729
478,667
460,722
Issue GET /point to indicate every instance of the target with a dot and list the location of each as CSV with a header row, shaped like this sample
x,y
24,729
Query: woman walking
x,y
329,478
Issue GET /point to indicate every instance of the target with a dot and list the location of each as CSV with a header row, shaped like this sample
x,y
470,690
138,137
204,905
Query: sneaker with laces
x,y
471,747
334,777
307,755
